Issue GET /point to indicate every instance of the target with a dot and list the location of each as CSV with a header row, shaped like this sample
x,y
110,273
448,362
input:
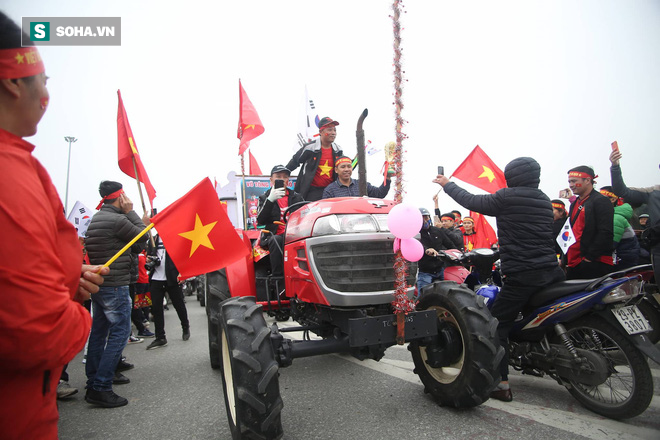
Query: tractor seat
x,y
558,290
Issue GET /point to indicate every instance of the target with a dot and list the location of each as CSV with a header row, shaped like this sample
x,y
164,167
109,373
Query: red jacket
x,y
41,327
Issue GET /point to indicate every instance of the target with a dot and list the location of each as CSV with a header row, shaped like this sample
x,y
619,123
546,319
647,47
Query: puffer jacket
x,y
524,217
626,245
622,215
108,232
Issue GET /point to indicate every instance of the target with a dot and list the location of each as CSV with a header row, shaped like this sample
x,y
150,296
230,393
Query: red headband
x,y
608,193
559,206
452,218
468,218
342,160
20,63
111,196
581,174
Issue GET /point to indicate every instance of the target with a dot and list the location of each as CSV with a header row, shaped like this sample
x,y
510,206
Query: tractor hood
x,y
345,215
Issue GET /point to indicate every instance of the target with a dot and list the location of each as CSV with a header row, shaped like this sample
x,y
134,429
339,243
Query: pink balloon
x,y
404,221
412,249
397,244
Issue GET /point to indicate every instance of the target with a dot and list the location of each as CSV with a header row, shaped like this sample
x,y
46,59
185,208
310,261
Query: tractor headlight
x,y
345,224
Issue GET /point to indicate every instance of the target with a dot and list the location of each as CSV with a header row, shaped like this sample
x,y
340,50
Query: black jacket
x,y
597,238
309,156
270,212
456,236
108,232
437,239
524,217
649,195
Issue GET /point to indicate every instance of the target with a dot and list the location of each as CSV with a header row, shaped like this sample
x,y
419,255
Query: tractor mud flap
x,y
374,330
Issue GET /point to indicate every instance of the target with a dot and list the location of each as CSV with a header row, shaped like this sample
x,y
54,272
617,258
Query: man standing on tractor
x,y
272,206
317,159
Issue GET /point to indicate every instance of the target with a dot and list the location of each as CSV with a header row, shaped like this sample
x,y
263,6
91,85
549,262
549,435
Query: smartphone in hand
x,y
279,183
615,146
441,170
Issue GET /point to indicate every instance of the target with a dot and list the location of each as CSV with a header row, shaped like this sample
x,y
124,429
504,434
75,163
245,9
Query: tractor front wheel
x,y
249,371
461,366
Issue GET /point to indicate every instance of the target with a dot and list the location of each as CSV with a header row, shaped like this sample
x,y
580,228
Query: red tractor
x,y
338,283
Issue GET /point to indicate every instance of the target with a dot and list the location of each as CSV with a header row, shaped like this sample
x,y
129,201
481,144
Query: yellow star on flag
x,y
199,235
325,169
130,141
248,126
488,173
20,59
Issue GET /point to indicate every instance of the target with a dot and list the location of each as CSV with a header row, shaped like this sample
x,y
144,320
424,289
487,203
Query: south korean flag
x,y
566,238
80,216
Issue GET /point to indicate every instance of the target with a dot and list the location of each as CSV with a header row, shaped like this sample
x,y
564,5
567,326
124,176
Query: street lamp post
x,y
70,140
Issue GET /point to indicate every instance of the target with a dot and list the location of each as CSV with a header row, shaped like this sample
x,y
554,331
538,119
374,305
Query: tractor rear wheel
x,y
466,352
250,376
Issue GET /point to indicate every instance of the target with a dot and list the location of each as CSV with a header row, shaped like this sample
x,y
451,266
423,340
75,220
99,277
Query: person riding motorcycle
x,y
527,251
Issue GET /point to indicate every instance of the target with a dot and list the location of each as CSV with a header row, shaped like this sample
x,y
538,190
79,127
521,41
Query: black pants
x,y
315,193
275,245
589,269
136,314
158,289
518,288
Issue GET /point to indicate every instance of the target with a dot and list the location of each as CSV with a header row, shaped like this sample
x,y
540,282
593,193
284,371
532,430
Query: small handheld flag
x,y
566,237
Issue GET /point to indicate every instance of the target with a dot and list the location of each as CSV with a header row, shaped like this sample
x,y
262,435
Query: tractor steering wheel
x,y
289,209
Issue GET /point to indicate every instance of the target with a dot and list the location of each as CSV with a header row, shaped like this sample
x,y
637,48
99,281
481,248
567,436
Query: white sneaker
x,y
133,340
65,390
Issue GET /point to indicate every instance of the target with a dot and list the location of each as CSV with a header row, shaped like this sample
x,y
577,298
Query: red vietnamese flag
x,y
197,233
479,170
484,232
127,151
255,170
249,124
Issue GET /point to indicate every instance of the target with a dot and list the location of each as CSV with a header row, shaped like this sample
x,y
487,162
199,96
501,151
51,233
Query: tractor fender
x,y
240,274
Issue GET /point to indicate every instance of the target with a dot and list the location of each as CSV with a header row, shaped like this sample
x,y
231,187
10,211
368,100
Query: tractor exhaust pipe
x,y
362,165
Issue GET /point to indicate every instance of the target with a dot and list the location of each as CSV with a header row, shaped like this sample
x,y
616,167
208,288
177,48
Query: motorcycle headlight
x,y
624,292
344,224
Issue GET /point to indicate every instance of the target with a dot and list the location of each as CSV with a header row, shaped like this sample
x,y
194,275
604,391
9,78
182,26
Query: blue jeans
x,y
425,278
111,327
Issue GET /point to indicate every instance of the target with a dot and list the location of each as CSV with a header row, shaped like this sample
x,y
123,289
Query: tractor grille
x,y
358,266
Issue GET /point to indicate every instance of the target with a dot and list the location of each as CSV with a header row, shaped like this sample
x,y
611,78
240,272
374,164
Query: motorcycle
x,y
588,335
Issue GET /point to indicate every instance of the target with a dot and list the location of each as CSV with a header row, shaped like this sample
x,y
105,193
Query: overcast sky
x,y
554,80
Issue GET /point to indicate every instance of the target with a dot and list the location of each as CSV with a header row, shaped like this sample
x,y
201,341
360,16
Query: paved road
x,y
174,394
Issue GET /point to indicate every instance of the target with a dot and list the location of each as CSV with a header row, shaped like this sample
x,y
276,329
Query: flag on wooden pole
x,y
129,158
249,124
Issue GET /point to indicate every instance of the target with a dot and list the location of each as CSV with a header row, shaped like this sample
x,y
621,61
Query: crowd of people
x,y
529,224
44,325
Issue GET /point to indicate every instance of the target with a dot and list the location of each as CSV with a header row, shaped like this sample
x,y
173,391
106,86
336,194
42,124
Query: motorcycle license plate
x,y
632,320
